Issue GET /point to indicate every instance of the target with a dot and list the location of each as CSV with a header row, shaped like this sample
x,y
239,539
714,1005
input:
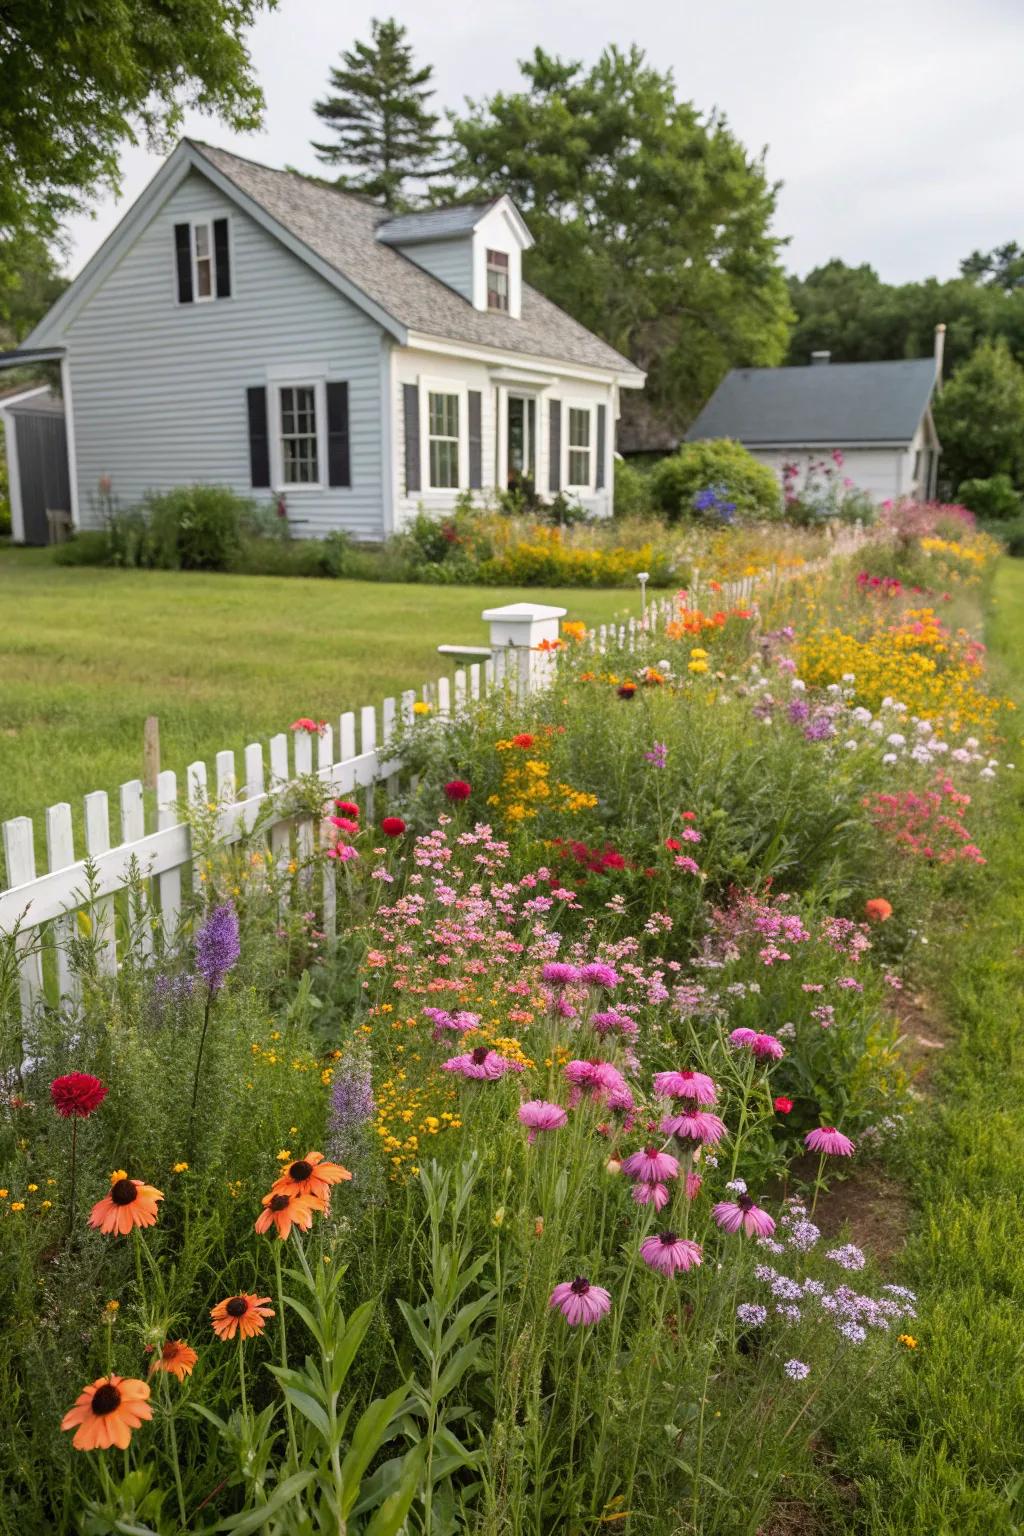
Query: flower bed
x,y
507,1213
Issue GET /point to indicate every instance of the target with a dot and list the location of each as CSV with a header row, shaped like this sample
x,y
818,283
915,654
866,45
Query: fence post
x,y
517,632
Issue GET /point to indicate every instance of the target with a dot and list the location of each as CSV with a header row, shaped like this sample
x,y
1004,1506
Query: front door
x,y
521,468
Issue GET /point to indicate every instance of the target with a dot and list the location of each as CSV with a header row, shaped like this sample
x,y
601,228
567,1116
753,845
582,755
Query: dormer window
x,y
497,281
203,258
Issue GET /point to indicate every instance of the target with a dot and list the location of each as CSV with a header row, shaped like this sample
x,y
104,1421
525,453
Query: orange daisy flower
x,y
285,1211
243,1313
311,1175
176,1358
877,910
129,1204
106,1413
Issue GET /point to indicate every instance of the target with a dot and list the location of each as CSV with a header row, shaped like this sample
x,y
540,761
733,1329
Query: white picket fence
x,y
158,861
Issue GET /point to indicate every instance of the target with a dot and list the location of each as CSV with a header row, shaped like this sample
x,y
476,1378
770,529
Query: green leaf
x,y
390,1518
419,1334
457,1366
369,1435
309,1320
254,1519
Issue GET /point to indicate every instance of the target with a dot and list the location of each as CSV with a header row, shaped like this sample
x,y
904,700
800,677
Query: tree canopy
x,y
652,222
979,417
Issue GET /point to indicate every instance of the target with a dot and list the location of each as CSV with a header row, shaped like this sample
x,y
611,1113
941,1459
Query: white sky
x,y
894,125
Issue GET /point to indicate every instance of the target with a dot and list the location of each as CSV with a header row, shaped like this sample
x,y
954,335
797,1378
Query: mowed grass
x,y
87,654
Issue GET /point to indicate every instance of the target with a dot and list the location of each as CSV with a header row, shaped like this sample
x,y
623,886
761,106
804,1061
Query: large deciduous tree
x,y
77,81
385,134
979,417
652,222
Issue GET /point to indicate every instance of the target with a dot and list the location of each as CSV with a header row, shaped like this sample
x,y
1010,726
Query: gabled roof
x,y
433,224
826,405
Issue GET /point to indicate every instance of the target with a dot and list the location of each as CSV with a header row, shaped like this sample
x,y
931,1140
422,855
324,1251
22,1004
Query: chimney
x,y
940,347
819,359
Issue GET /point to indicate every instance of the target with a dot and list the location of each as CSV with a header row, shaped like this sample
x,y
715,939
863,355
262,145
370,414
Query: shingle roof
x,y
432,224
825,404
342,231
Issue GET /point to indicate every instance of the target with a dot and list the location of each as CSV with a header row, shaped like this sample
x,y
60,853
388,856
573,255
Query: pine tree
x,y
378,110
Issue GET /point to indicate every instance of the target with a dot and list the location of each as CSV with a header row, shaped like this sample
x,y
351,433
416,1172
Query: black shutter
x,y
555,447
599,477
339,469
222,258
476,443
411,412
183,255
259,442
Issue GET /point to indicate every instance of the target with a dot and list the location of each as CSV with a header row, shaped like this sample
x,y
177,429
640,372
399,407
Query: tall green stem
x,y
284,1351
195,1080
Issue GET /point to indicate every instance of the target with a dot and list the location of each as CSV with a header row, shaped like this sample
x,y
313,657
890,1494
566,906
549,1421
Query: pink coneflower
x,y
667,1252
579,1301
613,1020
540,1115
597,974
481,1063
743,1215
686,1085
693,1184
693,1124
600,1077
826,1139
762,1045
651,1194
650,1166
558,974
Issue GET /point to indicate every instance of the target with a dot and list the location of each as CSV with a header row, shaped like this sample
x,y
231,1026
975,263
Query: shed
x,y
36,441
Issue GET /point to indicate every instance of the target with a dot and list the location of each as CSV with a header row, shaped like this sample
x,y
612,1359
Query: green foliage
x,y
632,490
30,282
196,528
384,133
715,464
992,500
979,417
652,223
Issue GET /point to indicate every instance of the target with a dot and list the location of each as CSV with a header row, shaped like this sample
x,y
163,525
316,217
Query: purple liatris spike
x,y
217,947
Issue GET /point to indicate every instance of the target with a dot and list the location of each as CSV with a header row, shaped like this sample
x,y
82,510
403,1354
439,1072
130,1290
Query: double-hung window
x,y
580,449
203,280
202,255
497,281
300,459
443,440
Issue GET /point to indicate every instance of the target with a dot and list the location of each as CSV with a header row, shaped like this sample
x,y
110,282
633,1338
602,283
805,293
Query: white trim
x,y
435,386
24,394
69,433
421,341
14,479
388,398
590,408
296,378
209,218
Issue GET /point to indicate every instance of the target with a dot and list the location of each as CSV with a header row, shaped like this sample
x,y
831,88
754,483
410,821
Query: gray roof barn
x,y
826,405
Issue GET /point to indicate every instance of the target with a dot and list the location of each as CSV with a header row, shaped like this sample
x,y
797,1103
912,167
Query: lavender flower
x,y
751,1313
796,1370
848,1257
853,1331
352,1105
658,755
820,729
169,990
217,947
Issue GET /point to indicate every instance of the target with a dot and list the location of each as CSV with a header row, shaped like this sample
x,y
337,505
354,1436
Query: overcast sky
x,y
895,126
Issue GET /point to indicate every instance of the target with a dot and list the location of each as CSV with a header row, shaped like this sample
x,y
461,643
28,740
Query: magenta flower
x,y
743,1215
828,1140
761,1045
693,1184
686,1085
667,1252
695,1124
597,974
579,1301
651,1194
600,1077
481,1063
558,974
651,1166
612,1020
540,1115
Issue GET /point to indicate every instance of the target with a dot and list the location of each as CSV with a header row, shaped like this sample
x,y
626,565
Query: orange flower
x,y
176,1358
285,1211
877,910
106,1413
240,1314
310,1176
129,1204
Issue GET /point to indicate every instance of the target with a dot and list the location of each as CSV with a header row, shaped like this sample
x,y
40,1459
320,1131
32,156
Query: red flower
x,y
458,789
783,1105
673,844
311,727
392,826
77,1094
346,808
524,740
626,691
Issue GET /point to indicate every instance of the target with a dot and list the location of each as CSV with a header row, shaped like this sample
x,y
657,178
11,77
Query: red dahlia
x,y
524,740
783,1105
77,1094
392,826
458,789
346,808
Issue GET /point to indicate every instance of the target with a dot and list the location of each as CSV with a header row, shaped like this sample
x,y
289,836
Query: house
x,y
261,330
878,415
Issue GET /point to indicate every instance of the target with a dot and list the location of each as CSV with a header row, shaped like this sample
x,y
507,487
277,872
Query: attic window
x,y
203,256
497,281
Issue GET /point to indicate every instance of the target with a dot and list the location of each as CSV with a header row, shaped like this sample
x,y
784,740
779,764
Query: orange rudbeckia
x,y
285,1211
176,1358
129,1204
106,1413
311,1175
240,1314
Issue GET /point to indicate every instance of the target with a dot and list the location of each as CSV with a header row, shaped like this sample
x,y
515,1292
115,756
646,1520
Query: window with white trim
x,y
300,459
579,445
498,281
203,278
442,441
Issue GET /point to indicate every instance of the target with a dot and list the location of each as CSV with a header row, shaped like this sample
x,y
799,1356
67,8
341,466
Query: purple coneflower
x,y
667,1252
743,1215
481,1063
694,1124
827,1140
761,1045
599,1076
651,1166
579,1301
540,1115
686,1085
651,1194
612,1020
597,974
217,947
558,974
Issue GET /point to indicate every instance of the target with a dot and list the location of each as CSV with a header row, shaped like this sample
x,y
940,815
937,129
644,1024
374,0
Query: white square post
x,y
517,632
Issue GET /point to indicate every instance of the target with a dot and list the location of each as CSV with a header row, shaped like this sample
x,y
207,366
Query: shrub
x,y
720,465
194,528
993,499
89,547
632,496
824,495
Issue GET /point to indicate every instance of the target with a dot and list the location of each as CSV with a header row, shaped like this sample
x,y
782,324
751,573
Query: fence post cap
x,y
522,612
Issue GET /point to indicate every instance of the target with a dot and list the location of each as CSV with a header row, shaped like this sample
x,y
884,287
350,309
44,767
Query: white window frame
x,y
588,407
194,226
506,272
194,222
277,381
433,386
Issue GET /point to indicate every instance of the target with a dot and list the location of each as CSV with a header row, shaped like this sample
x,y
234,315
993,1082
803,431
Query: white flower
x,y
987,773
890,757
972,742
862,715
800,687
924,727
849,677
851,746
833,688
896,740
876,727
958,755
935,745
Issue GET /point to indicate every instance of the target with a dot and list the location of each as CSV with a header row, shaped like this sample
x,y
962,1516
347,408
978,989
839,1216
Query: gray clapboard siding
x,y
160,388
449,260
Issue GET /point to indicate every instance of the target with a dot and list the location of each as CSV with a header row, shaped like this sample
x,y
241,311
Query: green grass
x,y
86,654
945,1454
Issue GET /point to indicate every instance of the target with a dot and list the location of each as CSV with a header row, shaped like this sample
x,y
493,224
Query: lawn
x,y
87,654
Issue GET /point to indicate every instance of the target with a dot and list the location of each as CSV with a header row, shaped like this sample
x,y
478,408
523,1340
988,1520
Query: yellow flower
x,y
284,1155
421,708
908,1340
4,1193
44,1205
17,1205
112,1306
180,1168
32,1188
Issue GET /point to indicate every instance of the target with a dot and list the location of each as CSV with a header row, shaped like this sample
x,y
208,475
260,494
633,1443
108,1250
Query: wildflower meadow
x,y
534,1203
